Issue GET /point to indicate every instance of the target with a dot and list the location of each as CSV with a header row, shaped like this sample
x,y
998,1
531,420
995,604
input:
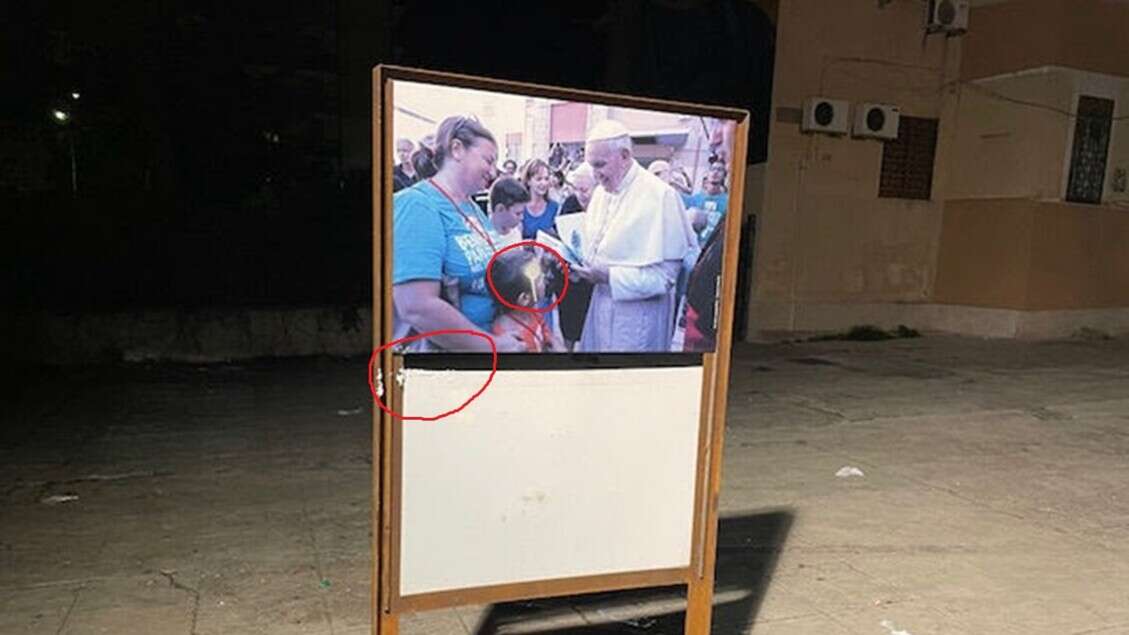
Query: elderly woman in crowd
x,y
574,306
582,183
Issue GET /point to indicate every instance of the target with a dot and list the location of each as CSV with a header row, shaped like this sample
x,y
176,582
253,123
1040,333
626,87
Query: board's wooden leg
x,y
386,624
699,606
699,595
384,620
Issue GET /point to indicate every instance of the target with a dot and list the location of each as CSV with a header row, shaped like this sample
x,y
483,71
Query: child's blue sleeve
x,y
418,240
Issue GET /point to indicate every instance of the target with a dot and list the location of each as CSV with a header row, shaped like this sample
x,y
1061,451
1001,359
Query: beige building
x,y
1000,209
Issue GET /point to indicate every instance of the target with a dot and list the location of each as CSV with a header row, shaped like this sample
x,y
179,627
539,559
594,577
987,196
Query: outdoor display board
x,y
554,273
575,491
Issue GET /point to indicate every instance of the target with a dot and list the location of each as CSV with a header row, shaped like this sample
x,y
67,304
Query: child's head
x,y
507,203
714,181
519,277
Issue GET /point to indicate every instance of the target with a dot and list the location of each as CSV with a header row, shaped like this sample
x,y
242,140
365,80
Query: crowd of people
x,y
646,278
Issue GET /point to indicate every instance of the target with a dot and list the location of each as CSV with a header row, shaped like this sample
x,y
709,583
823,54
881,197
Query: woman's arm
x,y
450,291
419,304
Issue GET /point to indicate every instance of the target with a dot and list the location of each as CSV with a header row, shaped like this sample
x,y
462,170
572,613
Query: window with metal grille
x,y
907,162
1091,145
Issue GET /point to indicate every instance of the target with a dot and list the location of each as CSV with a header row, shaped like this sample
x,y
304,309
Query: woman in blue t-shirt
x,y
439,233
541,211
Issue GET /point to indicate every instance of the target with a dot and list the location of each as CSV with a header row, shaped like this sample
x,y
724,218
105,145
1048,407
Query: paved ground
x,y
234,499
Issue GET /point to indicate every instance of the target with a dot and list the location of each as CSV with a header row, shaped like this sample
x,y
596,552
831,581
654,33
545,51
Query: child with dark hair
x,y
508,198
520,280
557,190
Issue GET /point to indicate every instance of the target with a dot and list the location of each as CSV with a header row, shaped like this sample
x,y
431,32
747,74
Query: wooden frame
x,y
387,604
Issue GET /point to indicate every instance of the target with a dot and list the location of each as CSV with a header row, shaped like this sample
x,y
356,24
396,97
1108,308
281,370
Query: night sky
x,y
220,150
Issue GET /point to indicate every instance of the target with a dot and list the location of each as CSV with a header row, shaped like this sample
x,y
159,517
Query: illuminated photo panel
x,y
555,226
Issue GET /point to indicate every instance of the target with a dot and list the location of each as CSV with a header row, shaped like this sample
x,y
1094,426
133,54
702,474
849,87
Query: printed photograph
x,y
555,226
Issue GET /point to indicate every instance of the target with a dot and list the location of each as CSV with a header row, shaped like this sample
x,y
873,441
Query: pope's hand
x,y
596,274
698,219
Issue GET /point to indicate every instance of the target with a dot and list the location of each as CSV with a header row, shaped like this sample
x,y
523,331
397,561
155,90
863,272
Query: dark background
x,y
221,150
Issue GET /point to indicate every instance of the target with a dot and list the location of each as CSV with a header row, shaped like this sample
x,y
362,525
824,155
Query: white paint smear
x,y
889,626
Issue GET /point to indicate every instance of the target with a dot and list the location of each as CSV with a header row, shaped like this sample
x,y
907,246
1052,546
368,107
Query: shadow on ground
x,y
748,548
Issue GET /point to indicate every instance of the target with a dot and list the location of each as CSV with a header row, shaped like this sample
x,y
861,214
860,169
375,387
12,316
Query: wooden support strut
x,y
384,621
699,595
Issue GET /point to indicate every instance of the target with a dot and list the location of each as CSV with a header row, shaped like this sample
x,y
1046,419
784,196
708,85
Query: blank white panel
x,y
548,474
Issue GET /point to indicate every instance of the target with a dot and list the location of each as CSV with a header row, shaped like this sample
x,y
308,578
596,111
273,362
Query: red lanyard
x,y
466,219
537,337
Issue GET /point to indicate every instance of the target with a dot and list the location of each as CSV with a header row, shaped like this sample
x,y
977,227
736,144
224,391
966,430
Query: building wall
x,y
1033,255
996,251
1014,133
1009,240
1007,149
1013,36
1079,258
824,236
535,138
975,266
692,155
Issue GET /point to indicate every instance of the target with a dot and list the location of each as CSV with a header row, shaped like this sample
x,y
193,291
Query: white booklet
x,y
571,229
556,245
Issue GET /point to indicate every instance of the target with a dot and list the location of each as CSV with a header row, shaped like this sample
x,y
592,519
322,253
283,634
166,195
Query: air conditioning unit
x,y
825,115
946,16
878,121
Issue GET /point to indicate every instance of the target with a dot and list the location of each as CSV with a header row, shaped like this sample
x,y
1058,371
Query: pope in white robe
x,y
636,235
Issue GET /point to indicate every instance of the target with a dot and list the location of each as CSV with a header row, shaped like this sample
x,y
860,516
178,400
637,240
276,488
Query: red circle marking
x,y
527,309
412,338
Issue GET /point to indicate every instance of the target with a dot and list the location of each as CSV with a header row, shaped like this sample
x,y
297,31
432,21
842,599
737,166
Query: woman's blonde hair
x,y
465,130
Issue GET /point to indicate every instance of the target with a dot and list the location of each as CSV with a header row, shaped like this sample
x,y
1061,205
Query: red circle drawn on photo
x,y
420,336
527,309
